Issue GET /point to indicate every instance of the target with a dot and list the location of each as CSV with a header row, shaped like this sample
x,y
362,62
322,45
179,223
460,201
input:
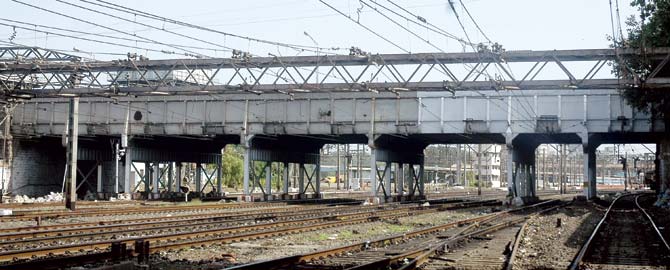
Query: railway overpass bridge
x,y
284,109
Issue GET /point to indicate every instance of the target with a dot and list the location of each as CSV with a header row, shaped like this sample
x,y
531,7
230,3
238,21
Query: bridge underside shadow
x,y
38,164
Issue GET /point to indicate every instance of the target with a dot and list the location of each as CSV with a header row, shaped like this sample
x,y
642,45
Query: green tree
x,y
649,29
232,170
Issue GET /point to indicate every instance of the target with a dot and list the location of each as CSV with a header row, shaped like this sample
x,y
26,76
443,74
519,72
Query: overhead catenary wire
x,y
423,22
402,26
95,40
192,53
458,18
145,14
225,48
156,17
365,27
473,21
101,35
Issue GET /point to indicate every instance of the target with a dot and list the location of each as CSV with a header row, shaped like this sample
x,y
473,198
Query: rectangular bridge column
x,y
511,187
387,179
373,172
147,178
523,156
590,172
268,180
127,168
247,171
399,178
156,179
422,183
198,177
179,176
219,175
285,177
170,172
412,180
99,187
317,178
301,180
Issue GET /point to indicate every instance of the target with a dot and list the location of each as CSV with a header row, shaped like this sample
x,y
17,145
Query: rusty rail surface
x,y
222,235
290,261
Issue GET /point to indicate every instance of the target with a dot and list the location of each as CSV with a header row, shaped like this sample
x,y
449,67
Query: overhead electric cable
x,y
95,40
473,21
402,26
101,35
195,54
364,27
177,22
147,25
424,23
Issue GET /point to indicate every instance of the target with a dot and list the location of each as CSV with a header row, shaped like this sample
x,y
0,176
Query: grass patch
x,y
318,237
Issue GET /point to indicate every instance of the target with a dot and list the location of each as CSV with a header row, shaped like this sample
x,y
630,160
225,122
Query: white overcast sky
x,y
517,24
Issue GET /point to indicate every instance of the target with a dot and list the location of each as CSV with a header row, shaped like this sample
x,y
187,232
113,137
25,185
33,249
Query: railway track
x,y
224,234
22,240
30,215
406,251
625,238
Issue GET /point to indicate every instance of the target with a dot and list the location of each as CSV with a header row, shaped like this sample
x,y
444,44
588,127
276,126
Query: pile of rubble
x,y
663,199
51,197
122,197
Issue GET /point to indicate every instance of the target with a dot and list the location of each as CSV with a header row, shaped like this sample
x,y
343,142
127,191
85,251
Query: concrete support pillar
x,y
410,183
523,177
301,178
156,177
219,177
170,183
511,187
590,172
72,150
373,172
421,181
147,177
198,177
663,155
179,176
399,179
285,177
268,179
387,178
247,170
127,168
99,187
317,178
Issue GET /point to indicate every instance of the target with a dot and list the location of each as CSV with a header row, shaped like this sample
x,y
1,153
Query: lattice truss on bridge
x,y
37,72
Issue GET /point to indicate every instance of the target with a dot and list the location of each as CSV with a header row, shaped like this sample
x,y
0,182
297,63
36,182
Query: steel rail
x,y
574,265
576,262
498,225
62,228
281,262
653,224
226,235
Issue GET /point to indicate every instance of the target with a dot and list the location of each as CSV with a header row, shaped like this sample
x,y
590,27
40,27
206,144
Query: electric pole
x,y
544,169
479,169
337,173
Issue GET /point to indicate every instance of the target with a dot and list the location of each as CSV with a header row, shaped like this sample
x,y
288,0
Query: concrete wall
x,y
37,167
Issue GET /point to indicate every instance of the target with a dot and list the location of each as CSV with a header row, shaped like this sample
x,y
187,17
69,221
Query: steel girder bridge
x,y
390,103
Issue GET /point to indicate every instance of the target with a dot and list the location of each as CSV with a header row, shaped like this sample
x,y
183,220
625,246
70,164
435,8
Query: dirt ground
x,y
544,245
263,249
